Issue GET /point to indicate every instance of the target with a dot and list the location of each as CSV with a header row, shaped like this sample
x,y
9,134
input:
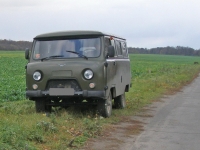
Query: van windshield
x,y
69,48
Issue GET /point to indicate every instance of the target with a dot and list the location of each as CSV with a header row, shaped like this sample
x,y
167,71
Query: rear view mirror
x,y
27,53
111,51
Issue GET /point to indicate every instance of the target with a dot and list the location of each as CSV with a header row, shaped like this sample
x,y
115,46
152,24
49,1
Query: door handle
x,y
114,63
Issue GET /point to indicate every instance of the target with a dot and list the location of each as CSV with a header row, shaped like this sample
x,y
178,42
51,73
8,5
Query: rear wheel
x,y
104,106
40,106
120,101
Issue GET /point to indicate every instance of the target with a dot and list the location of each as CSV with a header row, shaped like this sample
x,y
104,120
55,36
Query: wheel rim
x,y
123,101
109,105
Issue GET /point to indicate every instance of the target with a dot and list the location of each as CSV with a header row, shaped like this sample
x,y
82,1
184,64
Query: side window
x,y
118,47
124,49
113,43
107,42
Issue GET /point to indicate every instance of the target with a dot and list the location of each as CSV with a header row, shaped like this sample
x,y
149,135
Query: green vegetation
x,y
12,71
22,128
179,50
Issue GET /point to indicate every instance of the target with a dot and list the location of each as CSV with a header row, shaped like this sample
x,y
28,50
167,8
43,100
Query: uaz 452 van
x,y
78,67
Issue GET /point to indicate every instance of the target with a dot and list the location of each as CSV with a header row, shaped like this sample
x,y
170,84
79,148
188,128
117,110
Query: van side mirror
x,y
111,51
27,53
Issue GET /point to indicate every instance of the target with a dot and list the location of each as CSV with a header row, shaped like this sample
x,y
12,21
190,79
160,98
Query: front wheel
x,y
120,101
40,106
104,106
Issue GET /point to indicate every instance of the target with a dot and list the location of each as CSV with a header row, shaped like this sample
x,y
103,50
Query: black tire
x,y
104,106
40,106
120,101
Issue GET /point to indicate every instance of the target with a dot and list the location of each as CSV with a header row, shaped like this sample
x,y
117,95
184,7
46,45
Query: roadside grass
x,y
22,128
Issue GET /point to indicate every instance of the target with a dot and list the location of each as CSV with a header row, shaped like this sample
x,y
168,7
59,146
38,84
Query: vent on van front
x,y
63,84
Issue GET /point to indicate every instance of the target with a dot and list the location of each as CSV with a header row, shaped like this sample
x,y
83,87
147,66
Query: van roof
x,y
74,34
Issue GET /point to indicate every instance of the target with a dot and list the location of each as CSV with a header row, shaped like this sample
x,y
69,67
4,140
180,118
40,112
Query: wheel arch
x,y
127,87
113,92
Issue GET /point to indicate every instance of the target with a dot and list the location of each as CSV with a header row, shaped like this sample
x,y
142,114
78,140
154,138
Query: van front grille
x,y
63,84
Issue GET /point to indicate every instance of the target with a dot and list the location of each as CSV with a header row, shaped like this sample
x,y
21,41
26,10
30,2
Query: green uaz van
x,y
78,68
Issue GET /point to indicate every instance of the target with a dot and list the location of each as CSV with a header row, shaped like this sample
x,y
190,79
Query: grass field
x,y
22,128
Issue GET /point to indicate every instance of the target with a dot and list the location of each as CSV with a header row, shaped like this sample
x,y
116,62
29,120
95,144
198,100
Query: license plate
x,y
61,91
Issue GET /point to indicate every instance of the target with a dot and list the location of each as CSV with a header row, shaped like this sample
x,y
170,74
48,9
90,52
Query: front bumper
x,y
84,93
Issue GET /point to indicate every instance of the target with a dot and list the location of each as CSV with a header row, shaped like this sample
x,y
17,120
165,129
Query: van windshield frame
x,y
44,48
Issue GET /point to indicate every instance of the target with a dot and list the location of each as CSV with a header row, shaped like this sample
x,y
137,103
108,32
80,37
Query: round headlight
x,y
88,74
37,76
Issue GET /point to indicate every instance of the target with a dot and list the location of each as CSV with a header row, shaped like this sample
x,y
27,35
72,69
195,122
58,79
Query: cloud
x,y
19,3
143,23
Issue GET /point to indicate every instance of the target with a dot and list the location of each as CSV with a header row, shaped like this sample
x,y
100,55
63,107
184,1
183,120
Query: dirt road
x,y
172,123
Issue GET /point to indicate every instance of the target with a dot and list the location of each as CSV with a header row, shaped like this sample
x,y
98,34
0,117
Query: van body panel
x,y
71,66
118,75
72,69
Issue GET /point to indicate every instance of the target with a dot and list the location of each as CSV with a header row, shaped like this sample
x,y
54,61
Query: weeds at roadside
x,y
22,128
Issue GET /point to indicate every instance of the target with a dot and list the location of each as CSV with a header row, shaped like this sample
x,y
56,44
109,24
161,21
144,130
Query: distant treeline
x,y
14,45
179,50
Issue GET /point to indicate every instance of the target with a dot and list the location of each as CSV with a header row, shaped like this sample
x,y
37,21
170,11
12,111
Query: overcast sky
x,y
144,23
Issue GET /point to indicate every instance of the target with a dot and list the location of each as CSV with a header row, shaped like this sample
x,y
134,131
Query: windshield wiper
x,y
79,54
49,57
